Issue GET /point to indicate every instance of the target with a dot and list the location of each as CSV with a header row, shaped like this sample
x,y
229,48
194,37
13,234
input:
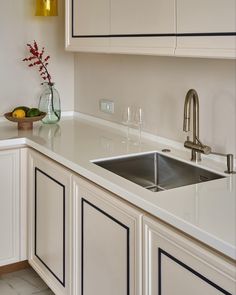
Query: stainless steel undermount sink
x,y
157,172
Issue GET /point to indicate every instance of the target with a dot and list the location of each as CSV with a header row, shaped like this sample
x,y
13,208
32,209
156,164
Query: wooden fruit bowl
x,y
25,123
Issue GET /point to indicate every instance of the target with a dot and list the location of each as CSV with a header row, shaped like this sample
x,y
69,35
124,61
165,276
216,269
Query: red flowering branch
x,y
37,59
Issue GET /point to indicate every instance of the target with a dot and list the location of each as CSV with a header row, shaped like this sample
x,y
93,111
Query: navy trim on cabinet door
x,y
197,34
208,34
64,227
124,35
82,242
194,272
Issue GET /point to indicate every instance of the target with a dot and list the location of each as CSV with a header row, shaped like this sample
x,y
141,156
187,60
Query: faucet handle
x,y
206,149
198,140
198,147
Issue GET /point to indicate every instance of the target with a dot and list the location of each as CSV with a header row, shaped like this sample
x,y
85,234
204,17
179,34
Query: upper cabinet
x,y
135,26
204,28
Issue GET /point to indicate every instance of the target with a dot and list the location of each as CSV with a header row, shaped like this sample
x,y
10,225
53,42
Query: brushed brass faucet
x,y
195,145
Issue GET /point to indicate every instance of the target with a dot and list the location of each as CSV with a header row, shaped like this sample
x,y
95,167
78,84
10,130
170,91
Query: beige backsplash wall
x,y
159,86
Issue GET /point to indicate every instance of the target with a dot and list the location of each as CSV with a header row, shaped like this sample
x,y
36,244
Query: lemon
x,y
24,108
19,113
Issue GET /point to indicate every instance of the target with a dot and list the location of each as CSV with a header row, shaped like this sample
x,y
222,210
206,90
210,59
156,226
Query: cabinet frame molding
x,y
64,225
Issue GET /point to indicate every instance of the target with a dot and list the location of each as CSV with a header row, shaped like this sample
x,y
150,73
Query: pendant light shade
x,y
46,8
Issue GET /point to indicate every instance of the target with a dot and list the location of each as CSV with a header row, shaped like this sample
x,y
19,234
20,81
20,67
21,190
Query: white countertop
x,y
205,211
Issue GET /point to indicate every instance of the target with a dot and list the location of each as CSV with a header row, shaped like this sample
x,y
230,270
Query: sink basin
x,y
157,172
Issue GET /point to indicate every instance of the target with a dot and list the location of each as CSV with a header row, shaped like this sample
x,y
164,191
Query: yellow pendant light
x,y
46,8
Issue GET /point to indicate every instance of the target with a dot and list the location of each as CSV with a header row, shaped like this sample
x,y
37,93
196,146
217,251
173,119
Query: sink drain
x,y
166,150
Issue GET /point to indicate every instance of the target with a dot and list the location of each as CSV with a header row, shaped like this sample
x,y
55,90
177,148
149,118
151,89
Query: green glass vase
x,y
49,103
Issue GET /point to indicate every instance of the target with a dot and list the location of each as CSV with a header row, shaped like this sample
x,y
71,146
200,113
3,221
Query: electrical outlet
x,y
107,106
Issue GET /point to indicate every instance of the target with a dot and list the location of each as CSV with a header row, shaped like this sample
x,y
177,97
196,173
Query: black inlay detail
x,y
35,225
194,272
210,34
124,35
72,17
82,242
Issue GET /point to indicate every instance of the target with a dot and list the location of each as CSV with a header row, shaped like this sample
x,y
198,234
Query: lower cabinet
x,y
107,248
9,206
84,240
49,220
176,265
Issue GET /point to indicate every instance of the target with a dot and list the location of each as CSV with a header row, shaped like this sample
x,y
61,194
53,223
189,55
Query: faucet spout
x,y
192,99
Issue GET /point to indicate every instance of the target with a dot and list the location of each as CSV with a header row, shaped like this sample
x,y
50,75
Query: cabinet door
x,y
107,246
175,265
206,28
9,207
49,243
141,26
87,25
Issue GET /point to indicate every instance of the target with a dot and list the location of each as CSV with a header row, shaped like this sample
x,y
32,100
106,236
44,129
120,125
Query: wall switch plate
x,y
107,106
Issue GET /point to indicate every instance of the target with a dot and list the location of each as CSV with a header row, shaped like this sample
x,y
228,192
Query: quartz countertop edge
x,y
81,141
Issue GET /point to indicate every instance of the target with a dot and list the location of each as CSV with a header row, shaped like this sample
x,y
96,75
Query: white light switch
x,y
107,106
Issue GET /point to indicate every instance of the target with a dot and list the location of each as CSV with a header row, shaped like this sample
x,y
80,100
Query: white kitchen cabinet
x,y
175,264
49,222
84,240
107,247
206,28
10,206
146,27
203,28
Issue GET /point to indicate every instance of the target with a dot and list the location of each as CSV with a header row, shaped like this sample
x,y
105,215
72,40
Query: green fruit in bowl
x,y
24,108
33,112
